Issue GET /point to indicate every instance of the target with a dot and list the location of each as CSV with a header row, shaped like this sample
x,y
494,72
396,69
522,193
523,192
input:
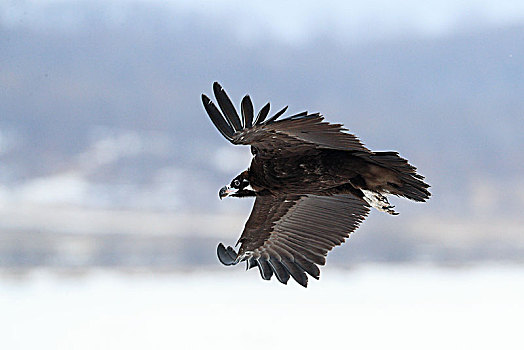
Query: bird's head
x,y
239,187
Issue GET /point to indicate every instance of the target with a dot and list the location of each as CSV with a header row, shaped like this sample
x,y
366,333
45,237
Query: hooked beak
x,y
226,191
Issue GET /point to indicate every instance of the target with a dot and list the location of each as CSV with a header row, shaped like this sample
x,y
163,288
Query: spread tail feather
x,y
411,184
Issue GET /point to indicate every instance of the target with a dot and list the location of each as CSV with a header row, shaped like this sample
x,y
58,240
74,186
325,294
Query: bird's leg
x,y
378,201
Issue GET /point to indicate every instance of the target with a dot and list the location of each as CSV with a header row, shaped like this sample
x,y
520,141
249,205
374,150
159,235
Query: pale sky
x,y
292,21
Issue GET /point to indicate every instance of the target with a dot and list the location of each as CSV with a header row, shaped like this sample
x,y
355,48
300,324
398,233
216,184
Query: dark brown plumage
x,y
313,181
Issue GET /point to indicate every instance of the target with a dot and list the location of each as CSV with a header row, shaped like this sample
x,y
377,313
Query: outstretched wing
x,y
291,235
270,137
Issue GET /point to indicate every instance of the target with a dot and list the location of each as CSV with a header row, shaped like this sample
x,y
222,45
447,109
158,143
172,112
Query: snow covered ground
x,y
370,307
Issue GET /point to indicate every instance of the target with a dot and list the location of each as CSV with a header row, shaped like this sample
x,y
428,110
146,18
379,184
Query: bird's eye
x,y
236,183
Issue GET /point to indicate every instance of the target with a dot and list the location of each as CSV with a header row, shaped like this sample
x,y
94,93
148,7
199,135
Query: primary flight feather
x,y
314,184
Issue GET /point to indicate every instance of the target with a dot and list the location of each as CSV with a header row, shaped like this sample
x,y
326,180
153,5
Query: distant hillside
x,y
109,116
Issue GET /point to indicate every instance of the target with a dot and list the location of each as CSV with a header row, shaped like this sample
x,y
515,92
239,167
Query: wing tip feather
x,y
227,256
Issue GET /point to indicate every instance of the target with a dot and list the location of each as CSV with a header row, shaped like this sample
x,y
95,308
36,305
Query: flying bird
x,y
313,183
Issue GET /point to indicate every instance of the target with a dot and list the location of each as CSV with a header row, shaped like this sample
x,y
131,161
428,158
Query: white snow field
x,y
369,307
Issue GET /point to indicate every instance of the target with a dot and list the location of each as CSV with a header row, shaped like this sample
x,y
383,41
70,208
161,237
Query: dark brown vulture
x,y
314,184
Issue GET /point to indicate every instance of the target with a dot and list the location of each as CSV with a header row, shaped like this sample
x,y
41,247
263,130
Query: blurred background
x,y
110,169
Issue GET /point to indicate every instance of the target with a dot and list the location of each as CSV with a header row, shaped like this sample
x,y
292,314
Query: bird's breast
x,y
304,174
